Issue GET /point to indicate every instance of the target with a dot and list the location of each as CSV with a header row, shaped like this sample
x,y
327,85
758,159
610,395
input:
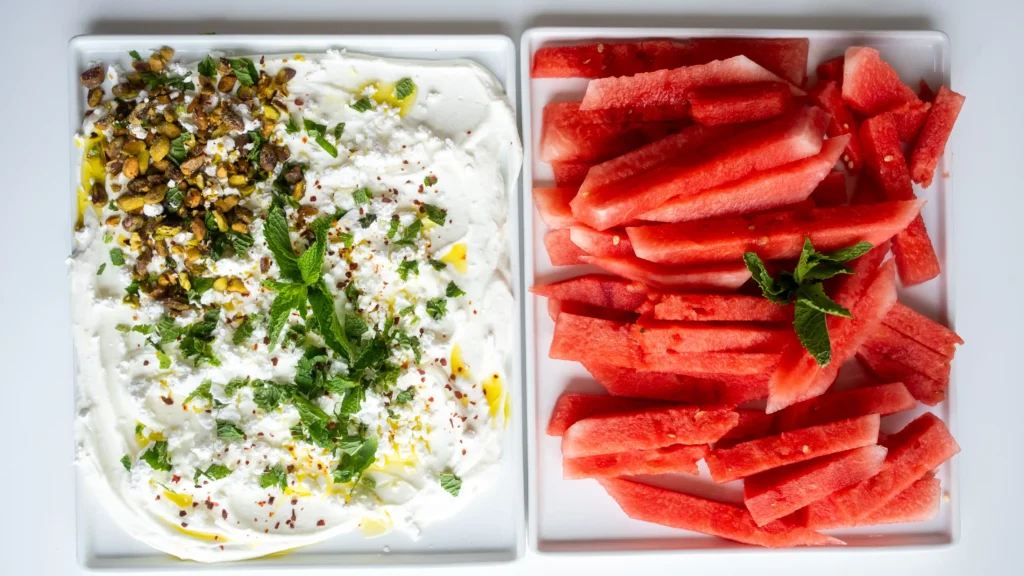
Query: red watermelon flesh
x,y
570,174
774,236
908,119
753,424
847,289
645,430
828,95
694,364
690,337
927,390
580,338
777,493
867,191
571,408
786,57
915,257
799,377
870,85
710,389
612,243
884,400
774,188
680,510
597,290
556,307
720,307
755,456
553,206
920,447
832,189
600,60
787,139
831,70
918,503
928,332
669,460
710,278
909,352
719,105
561,249
670,87
924,91
595,142
931,143
686,142
570,114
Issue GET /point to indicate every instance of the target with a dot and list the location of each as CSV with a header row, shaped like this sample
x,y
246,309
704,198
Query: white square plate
x,y
492,528
577,515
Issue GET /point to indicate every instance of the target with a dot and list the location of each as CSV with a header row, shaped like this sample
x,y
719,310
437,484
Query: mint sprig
x,y
803,289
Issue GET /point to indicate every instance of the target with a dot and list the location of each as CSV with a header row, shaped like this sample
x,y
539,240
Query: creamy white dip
x,y
456,128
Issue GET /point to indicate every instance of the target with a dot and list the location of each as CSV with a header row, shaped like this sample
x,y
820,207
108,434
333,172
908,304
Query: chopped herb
x,y
393,227
362,105
245,70
435,214
228,431
157,457
177,153
234,385
108,237
410,233
245,330
126,462
453,291
241,242
437,265
404,88
405,396
368,481
276,476
355,327
215,472
268,395
174,198
365,221
134,54
163,359
351,292
208,67
327,146
362,196
201,391
123,328
339,129
117,257
437,308
408,266
256,139
291,127
407,310
347,238
451,483
312,127
353,464
102,267
133,288
429,180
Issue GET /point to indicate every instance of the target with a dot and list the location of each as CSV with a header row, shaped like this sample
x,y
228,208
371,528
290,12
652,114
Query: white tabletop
x,y
37,526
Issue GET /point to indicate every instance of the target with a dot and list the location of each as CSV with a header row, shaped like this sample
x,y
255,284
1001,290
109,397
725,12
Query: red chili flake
x,y
276,526
293,514
294,502
469,131
157,496
209,505
266,340
321,523
274,360
463,451
167,400
313,198
458,395
299,102
444,362
145,362
270,500
194,504
175,478
182,513
184,524
224,514
431,399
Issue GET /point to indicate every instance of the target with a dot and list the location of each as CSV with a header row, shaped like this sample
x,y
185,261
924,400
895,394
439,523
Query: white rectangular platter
x,y
577,515
492,528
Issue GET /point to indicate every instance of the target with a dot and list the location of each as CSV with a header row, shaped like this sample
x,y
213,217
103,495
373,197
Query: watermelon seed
x,y
888,158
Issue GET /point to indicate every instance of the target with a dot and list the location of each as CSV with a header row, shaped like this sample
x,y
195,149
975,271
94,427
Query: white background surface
x,y
36,408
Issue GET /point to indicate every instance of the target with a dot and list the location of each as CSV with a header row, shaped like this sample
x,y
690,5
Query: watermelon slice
x,y
870,85
561,250
711,278
691,337
753,424
798,376
613,243
711,389
600,60
777,493
736,363
915,257
926,390
775,236
777,187
908,119
668,460
570,114
847,289
936,130
720,307
719,105
686,142
829,96
580,338
597,290
570,174
831,69
646,430
571,408
594,142
832,189
928,332
680,510
920,447
909,352
786,57
766,146
553,206
669,87
884,400
925,92
556,307
918,503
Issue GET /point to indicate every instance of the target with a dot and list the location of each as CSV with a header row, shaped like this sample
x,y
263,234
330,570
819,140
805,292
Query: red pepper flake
x,y
444,362
321,523
431,399
313,198
182,513
274,360
276,526
175,478
463,451
145,362
184,524
167,400
224,514
294,502
270,500
299,102
266,340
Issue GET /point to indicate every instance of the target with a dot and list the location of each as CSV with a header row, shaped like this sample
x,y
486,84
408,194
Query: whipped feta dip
x,y
222,417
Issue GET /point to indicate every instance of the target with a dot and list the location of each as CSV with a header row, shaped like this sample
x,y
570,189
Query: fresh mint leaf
x,y
132,288
404,88
812,330
289,297
353,465
806,261
291,127
240,242
217,472
437,308
340,385
813,296
353,401
268,395
393,227
309,412
351,293
339,129
844,255
108,237
117,257
412,343
134,54
453,290
275,476
362,196
365,221
371,356
437,264
407,310
202,285
245,330
312,126
435,214
771,289
362,105
275,230
234,385
327,146
328,323
174,198
405,396
126,462
355,327
228,431
157,456
347,238
825,270
245,71
163,359
177,153
408,266
208,67
256,139
451,483
311,262
102,267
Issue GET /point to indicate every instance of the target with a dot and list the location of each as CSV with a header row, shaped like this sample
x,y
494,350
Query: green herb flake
x,y
393,227
437,308
228,431
339,129
117,257
437,264
408,266
347,238
453,291
174,198
134,54
275,476
362,196
362,105
451,483
126,462
245,71
404,88
208,67
365,221
102,267
435,214
157,456
217,472
108,237
245,330
291,127
405,396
